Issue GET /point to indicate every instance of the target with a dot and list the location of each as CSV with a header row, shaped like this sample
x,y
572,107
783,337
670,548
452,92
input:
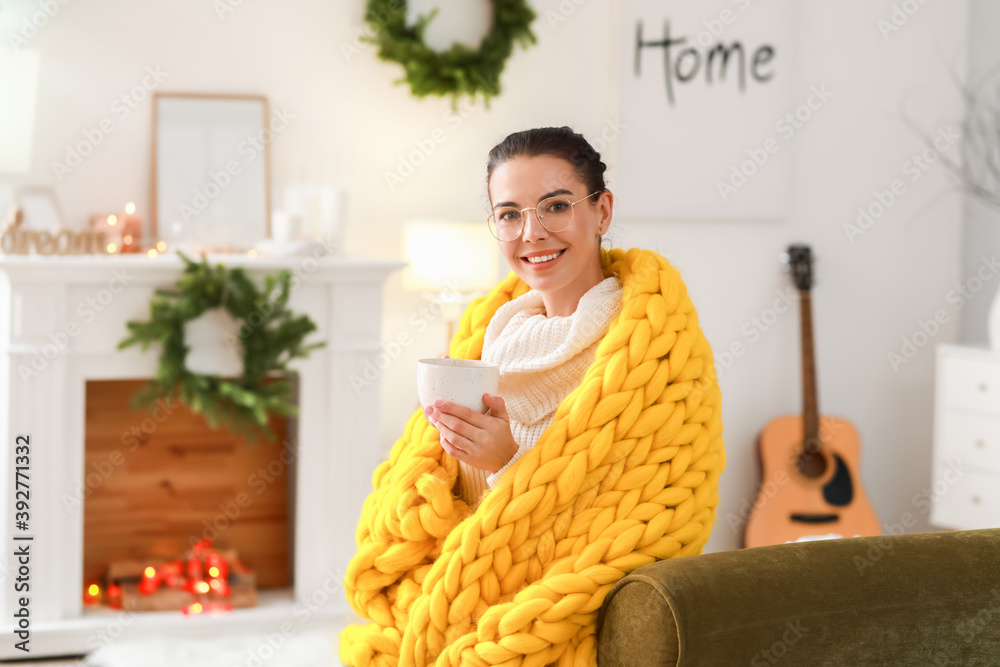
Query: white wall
x,y
869,294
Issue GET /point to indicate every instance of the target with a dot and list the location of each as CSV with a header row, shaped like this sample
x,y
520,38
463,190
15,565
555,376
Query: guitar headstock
x,y
799,261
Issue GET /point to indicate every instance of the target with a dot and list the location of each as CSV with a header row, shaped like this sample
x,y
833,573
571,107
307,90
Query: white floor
x,y
57,663
312,647
293,634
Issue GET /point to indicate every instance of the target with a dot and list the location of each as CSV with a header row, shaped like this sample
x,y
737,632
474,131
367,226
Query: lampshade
x,y
19,88
449,256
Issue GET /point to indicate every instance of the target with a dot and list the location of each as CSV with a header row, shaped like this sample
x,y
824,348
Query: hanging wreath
x,y
269,335
460,70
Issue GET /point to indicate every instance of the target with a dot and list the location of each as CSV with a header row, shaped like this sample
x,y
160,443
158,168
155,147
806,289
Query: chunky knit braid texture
x,y
626,474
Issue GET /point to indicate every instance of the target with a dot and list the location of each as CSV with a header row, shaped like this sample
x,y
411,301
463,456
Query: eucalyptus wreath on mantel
x,y
460,70
269,334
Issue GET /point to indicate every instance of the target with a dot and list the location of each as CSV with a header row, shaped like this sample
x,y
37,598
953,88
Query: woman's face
x,y
523,182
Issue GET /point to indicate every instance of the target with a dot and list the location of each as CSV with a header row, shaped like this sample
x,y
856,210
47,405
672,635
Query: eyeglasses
x,y
555,214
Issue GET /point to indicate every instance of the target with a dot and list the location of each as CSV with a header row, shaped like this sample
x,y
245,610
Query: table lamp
x,y
450,262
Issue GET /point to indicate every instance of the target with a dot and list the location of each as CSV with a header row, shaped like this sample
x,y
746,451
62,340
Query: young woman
x,y
609,403
549,211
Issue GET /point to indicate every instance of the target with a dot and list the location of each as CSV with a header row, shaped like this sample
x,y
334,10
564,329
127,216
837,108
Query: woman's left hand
x,y
481,441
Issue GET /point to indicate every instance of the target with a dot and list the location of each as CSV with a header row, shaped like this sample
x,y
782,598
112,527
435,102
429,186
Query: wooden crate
x,y
128,573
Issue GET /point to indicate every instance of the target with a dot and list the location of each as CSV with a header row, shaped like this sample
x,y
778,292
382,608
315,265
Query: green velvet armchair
x,y
918,599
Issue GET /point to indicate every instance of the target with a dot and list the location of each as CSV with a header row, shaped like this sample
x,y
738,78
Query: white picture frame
x,y
40,208
210,174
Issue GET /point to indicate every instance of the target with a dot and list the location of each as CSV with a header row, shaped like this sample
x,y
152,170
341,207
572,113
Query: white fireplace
x,y
61,319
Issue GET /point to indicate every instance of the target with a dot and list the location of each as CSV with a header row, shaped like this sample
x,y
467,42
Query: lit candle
x,y
92,594
217,565
114,596
193,608
150,580
170,573
131,229
111,226
220,586
194,571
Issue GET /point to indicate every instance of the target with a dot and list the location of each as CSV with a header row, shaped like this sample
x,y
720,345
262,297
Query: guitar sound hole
x,y
814,518
811,465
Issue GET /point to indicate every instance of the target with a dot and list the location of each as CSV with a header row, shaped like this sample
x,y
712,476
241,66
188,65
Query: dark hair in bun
x,y
560,142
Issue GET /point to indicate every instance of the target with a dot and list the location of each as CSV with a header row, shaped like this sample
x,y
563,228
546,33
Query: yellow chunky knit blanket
x,y
626,474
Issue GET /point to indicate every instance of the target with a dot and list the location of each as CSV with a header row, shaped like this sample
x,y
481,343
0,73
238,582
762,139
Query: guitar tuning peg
x,y
784,258
786,268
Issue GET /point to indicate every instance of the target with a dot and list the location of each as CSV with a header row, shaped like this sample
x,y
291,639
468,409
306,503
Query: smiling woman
x,y
493,538
558,176
550,208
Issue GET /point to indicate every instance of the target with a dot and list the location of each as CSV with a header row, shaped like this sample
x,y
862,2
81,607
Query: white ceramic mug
x,y
459,381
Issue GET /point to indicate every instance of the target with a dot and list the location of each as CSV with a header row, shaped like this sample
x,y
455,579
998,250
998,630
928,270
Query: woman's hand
x,y
481,441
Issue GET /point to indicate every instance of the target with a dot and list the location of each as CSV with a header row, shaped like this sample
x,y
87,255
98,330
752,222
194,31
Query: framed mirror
x,y
210,175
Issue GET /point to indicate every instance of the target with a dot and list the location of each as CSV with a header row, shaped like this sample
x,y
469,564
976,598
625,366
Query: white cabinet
x,y
965,482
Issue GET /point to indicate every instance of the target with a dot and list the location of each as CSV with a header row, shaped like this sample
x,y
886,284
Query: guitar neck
x,y
810,407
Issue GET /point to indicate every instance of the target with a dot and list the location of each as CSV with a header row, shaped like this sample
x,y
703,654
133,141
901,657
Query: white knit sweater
x,y
541,359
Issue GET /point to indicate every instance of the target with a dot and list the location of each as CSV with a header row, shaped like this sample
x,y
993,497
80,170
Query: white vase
x,y
322,210
993,322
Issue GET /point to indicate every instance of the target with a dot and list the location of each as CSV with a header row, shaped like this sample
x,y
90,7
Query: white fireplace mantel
x,y
61,319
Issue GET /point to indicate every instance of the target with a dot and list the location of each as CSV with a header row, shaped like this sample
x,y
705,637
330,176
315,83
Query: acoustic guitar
x,y
810,486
